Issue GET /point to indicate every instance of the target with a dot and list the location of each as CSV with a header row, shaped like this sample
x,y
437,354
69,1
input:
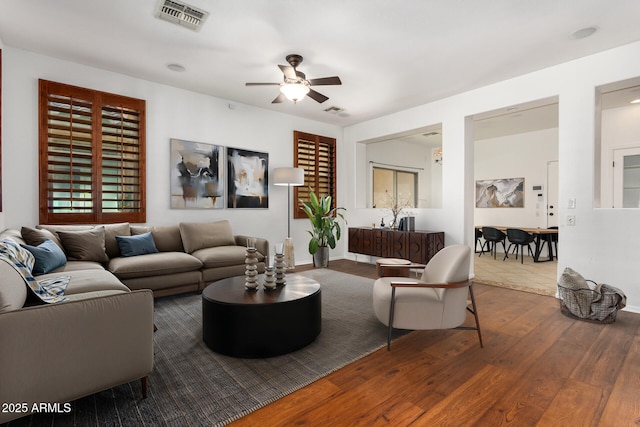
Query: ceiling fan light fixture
x,y
295,91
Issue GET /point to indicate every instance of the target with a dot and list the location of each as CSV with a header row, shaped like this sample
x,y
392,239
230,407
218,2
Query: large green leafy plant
x,y
324,221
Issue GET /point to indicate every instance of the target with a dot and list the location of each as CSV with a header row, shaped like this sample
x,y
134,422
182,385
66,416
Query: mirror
x,y
405,167
618,145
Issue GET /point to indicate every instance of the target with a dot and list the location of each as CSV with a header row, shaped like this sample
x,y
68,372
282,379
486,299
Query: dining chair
x,y
520,239
483,243
438,300
493,236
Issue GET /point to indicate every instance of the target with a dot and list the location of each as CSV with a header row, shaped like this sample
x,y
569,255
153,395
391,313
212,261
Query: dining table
x,y
539,233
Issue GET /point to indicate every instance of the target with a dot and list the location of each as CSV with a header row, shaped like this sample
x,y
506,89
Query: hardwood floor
x,y
537,367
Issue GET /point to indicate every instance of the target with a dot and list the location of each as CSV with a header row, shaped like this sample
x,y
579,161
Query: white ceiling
x,y
390,55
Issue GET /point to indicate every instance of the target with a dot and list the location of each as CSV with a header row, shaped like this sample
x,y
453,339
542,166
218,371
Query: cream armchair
x,y
438,300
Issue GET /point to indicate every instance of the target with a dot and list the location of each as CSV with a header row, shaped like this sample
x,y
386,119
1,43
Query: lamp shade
x,y
288,176
294,91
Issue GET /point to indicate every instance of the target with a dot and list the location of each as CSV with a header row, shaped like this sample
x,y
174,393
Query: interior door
x,y
552,194
626,177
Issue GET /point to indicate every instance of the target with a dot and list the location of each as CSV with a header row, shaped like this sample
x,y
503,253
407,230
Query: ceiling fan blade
x,y
335,80
317,96
288,71
262,84
280,98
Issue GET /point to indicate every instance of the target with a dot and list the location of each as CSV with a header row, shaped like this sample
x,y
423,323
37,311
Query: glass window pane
x,y
383,186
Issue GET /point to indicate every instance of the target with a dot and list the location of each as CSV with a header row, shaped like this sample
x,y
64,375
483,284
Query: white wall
x,y
603,243
516,156
171,113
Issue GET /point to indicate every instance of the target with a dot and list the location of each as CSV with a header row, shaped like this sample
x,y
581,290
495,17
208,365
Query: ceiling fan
x,y
295,85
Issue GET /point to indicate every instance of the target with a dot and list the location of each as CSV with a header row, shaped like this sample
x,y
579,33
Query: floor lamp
x,y
289,177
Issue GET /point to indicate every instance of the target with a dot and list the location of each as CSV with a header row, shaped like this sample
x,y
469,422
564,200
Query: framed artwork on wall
x,y
500,193
197,180
247,179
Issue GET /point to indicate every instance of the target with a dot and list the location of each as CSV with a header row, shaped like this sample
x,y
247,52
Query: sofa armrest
x,y
60,352
262,245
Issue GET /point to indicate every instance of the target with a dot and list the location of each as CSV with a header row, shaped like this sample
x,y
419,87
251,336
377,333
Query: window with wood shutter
x,y
317,156
92,156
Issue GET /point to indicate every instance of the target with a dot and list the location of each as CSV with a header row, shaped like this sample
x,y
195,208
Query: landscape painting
x,y
500,193
247,179
196,175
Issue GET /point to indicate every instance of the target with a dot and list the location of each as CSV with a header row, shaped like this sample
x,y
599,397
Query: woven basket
x,y
568,308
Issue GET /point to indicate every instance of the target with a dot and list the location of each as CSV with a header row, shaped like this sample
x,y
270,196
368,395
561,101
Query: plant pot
x,y
321,257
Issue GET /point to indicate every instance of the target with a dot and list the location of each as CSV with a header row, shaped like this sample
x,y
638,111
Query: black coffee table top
x,y
232,291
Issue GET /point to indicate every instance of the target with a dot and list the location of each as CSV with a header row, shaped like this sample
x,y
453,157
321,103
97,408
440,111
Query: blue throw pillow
x,y
137,245
48,257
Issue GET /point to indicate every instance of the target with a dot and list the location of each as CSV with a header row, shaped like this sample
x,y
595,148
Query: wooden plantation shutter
x,y
317,156
122,181
92,157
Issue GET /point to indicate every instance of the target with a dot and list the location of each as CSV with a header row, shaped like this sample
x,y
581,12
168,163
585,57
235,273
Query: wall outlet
x,y
571,220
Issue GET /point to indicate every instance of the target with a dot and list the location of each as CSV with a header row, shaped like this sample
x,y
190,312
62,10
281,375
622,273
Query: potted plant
x,y
325,231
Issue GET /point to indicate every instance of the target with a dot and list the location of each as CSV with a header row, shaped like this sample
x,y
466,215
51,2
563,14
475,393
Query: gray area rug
x,y
193,386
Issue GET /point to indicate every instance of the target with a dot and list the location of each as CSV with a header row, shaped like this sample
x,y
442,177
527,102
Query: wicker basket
x,y
600,309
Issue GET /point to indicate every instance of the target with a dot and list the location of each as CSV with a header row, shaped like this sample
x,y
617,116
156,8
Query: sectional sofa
x,y
101,335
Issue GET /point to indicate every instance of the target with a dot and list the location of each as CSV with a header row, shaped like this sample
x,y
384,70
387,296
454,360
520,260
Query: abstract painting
x,y
196,175
247,179
500,193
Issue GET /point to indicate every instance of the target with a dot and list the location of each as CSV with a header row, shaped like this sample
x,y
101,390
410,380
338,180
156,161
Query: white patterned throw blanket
x,y
48,290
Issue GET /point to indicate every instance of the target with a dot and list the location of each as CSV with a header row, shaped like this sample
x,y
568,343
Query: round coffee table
x,y
242,323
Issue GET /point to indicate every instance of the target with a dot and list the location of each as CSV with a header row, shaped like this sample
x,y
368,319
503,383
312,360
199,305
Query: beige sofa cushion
x,y
157,264
78,265
206,235
82,281
13,288
12,234
87,245
223,256
110,233
167,238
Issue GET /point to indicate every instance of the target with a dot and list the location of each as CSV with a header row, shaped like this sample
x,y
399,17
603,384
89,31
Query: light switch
x,y
572,203
571,220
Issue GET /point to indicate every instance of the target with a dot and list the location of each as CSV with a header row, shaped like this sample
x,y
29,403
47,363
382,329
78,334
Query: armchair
x,y
437,301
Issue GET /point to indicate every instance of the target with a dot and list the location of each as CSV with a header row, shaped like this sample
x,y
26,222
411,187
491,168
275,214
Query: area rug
x,y
516,287
193,386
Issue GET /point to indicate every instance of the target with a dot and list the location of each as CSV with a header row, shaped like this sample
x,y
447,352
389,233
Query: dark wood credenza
x,y
416,246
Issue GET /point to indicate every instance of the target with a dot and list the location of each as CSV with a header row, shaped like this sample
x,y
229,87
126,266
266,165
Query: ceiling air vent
x,y
181,14
334,110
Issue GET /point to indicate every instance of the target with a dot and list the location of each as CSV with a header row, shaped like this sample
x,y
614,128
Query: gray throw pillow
x,y
35,237
110,232
167,238
86,245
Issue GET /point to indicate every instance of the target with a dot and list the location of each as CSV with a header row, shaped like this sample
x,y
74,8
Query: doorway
x,y
519,141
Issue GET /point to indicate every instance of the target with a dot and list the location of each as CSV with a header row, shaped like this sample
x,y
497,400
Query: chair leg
x,y
475,314
506,253
143,383
391,310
